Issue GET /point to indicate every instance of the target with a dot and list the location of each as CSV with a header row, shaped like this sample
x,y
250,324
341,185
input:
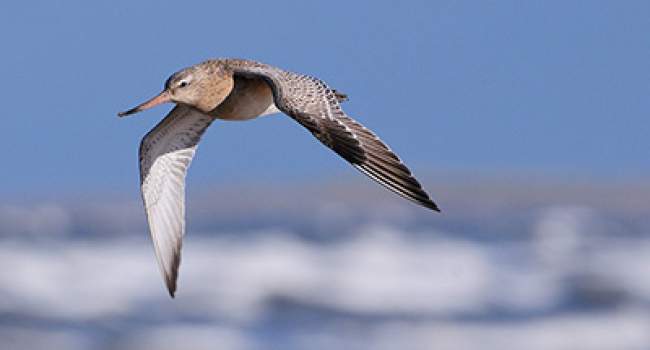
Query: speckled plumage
x,y
236,89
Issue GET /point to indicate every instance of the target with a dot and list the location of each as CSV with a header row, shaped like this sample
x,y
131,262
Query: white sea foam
x,y
431,290
379,271
625,329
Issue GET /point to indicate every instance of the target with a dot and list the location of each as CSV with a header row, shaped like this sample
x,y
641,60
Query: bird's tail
x,y
342,97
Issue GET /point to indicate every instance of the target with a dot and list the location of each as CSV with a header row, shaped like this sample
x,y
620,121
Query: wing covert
x,y
316,106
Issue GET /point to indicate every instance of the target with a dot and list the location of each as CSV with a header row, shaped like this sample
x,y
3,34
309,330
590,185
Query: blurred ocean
x,y
509,264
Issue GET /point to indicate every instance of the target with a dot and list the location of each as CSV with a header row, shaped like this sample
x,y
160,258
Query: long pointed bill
x,y
164,97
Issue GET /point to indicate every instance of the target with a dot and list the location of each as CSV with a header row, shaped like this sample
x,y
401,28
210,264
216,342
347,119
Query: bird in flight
x,y
237,89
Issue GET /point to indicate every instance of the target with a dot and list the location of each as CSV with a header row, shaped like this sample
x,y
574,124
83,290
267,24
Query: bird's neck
x,y
215,91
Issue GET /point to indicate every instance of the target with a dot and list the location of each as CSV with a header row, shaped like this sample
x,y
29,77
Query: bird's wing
x,y
165,154
315,106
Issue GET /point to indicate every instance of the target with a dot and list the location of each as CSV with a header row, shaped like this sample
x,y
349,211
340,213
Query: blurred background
x,y
526,121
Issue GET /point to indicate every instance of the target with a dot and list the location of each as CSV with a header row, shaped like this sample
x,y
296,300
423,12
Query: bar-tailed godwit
x,y
236,89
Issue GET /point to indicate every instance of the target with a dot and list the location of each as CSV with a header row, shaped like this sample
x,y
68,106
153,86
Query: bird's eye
x,y
183,83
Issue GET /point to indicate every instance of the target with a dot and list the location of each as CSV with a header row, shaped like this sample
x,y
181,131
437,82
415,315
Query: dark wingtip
x,y
434,207
171,288
171,278
429,204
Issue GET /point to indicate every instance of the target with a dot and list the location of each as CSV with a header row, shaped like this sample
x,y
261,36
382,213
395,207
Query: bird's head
x,y
203,87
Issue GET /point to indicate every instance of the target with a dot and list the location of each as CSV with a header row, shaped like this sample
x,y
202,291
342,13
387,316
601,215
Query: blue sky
x,y
553,87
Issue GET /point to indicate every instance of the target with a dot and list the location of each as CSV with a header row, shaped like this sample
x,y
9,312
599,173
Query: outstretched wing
x,y
315,106
165,154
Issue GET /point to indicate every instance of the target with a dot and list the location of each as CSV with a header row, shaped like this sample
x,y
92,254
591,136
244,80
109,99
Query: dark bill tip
x,y
163,97
129,112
